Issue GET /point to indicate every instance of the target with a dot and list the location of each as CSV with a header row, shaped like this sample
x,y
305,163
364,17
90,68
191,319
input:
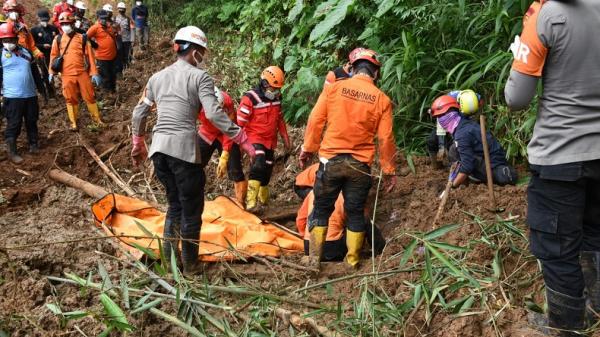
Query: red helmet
x,y
364,54
12,6
7,30
442,104
65,17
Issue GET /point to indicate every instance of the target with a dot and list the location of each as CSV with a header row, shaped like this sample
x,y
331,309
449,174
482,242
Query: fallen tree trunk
x,y
90,189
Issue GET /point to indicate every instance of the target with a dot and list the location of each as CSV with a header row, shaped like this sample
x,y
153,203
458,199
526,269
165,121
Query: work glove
x,y
304,158
389,182
97,80
40,56
139,152
222,167
50,78
242,140
454,172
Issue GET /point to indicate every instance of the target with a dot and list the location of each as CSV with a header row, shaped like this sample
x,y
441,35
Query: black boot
x,y
189,254
435,163
566,314
34,148
171,240
590,266
11,143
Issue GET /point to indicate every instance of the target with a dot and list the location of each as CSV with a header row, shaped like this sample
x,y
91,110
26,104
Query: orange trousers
x,y
76,86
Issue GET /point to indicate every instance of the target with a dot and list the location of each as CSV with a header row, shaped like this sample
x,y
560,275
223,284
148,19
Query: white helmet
x,y
121,5
191,34
107,7
80,5
220,98
70,2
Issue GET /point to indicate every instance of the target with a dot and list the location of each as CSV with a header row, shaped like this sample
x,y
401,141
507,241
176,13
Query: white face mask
x,y
198,62
67,29
78,24
138,3
44,24
13,16
272,93
9,46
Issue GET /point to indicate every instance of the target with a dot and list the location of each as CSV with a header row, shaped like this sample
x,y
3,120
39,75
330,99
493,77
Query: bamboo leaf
x,y
441,231
333,18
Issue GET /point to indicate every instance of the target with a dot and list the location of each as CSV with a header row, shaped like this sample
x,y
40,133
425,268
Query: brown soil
x,y
34,210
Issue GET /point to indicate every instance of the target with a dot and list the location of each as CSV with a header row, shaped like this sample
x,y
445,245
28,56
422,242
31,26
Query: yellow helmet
x,y
468,101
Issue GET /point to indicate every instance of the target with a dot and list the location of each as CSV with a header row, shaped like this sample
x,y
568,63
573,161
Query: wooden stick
x,y
291,265
438,214
90,189
104,154
488,166
301,323
106,170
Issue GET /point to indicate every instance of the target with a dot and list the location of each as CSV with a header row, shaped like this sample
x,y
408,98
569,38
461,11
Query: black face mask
x,y
103,22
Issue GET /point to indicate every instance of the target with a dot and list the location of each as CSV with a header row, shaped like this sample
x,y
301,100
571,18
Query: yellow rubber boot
x,y
253,188
241,189
72,112
264,194
354,243
318,234
95,113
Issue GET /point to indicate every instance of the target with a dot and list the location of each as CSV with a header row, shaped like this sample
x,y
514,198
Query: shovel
x,y
488,167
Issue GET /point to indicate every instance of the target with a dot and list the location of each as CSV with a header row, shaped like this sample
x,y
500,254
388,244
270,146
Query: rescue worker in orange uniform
x,y
351,113
334,248
106,53
339,73
14,13
77,67
212,138
260,115
64,6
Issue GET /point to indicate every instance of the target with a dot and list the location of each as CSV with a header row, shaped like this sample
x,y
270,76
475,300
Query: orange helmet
x,y
442,104
274,76
7,30
364,54
65,17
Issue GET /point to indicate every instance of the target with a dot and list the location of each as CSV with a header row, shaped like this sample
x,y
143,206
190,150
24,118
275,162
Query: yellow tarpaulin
x,y
228,231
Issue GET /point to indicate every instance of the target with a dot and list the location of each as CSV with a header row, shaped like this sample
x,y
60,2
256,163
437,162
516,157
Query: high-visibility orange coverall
x,y
77,69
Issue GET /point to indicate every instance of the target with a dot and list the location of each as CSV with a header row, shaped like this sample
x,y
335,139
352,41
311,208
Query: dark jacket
x,y
44,35
467,137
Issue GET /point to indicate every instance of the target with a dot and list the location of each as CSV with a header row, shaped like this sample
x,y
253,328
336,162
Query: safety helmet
x,y
364,54
274,76
80,5
220,98
7,30
108,8
43,14
70,2
65,17
442,104
468,101
10,5
191,34
121,5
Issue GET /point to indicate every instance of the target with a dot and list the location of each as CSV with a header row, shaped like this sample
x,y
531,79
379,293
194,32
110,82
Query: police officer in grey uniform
x,y
560,44
179,92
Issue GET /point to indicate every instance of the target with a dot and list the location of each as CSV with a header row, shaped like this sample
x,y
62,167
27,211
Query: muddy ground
x,y
34,210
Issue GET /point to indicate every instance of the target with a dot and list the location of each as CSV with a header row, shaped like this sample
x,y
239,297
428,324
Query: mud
x,y
34,210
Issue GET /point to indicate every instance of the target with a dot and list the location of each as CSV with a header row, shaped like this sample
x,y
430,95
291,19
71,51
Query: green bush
x,y
427,47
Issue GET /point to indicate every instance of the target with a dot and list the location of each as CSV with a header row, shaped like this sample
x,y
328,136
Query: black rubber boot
x,y
566,314
590,266
189,254
171,240
11,143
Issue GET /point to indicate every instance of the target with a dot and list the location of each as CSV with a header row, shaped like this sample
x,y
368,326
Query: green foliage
x,y
427,47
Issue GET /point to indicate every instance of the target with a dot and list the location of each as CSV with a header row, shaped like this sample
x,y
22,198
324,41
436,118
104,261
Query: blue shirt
x,y
17,80
139,14
467,137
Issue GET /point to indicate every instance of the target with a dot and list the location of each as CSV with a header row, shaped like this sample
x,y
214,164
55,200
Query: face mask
x,y
44,24
450,121
9,46
198,62
13,16
138,3
103,22
67,29
78,24
272,93
122,11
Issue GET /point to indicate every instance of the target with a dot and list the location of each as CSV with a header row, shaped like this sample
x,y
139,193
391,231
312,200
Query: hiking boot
x,y
566,314
590,266
13,156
